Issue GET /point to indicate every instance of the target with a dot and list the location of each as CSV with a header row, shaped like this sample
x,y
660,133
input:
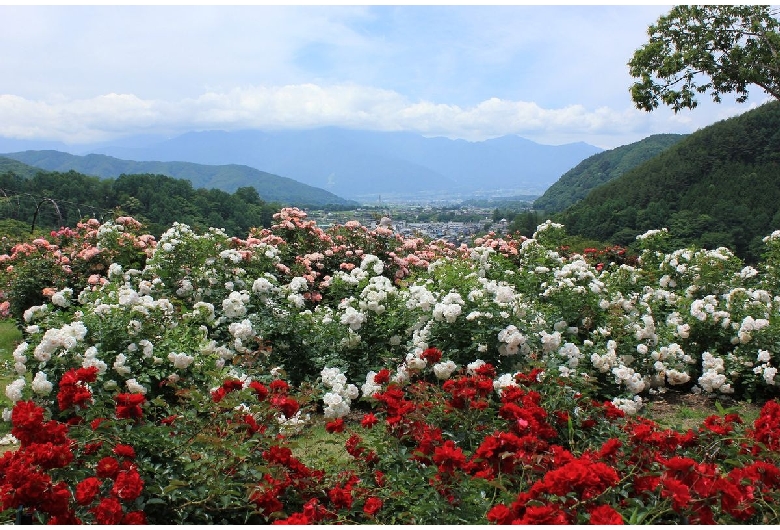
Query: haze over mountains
x,y
229,177
362,165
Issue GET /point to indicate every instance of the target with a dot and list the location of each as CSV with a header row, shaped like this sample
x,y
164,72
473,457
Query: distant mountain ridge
x,y
600,168
272,188
363,165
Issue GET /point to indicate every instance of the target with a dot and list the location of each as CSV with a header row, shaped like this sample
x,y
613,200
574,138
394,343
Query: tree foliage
x,y
227,178
49,200
717,187
576,183
717,49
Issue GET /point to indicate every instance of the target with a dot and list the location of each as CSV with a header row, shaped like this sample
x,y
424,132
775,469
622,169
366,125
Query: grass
x,y
9,338
681,412
319,449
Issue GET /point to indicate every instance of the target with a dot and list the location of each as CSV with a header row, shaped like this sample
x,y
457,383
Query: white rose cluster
x,y
604,363
713,378
91,359
41,385
62,298
629,406
765,370
375,294
749,325
444,370
66,337
181,360
20,358
234,305
339,398
420,298
352,318
372,262
511,341
449,308
370,387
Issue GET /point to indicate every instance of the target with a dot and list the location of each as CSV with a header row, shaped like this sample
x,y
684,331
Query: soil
x,y
683,411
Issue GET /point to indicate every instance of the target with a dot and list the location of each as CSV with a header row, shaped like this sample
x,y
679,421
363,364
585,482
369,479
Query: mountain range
x,y
229,178
361,165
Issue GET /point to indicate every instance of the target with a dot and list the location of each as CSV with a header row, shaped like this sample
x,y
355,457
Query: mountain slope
x,y
594,171
229,178
47,200
17,167
719,186
365,164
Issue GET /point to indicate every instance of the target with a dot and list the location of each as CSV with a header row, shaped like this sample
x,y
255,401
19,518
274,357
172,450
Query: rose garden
x,y
349,375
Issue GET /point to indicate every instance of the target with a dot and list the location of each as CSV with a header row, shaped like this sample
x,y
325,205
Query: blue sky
x,y
554,74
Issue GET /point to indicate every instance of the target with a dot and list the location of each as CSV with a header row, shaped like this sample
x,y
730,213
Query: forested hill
x,y
47,200
718,187
594,171
16,167
227,178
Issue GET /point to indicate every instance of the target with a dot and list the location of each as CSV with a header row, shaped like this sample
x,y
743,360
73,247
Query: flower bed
x,y
170,381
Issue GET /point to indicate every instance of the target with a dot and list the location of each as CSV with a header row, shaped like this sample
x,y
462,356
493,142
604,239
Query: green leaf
x,y
174,485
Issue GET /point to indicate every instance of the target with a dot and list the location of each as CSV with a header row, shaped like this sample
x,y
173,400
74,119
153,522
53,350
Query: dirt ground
x,y
683,411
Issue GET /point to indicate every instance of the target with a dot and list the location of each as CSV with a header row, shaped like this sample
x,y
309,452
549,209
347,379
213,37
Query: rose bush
x,y
178,381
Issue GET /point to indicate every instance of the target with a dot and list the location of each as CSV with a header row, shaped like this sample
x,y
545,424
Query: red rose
x,y
335,426
500,514
87,490
129,405
279,387
260,389
341,497
218,395
109,511
128,485
137,517
124,451
372,505
605,514
432,355
233,385
368,421
287,405
107,467
382,377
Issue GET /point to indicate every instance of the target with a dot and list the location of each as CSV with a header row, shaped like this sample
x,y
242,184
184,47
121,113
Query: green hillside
x,y
718,187
594,171
225,177
16,167
34,198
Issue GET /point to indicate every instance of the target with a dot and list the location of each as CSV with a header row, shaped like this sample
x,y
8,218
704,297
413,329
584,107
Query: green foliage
x,y
594,171
717,187
698,49
53,200
9,337
227,178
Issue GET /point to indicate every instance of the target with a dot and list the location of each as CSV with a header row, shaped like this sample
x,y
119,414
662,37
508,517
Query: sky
x,y
551,74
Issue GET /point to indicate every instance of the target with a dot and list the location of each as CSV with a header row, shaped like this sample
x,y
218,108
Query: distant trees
x,y
718,49
63,199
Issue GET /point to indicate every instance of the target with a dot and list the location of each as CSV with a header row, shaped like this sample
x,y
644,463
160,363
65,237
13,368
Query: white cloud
x,y
310,105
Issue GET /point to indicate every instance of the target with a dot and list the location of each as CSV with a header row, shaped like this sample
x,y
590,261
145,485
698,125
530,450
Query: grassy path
x,y
9,338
